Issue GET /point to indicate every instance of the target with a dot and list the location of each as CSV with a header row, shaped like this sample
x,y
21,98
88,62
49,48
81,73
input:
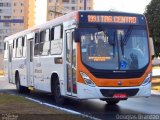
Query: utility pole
x,y
85,4
55,9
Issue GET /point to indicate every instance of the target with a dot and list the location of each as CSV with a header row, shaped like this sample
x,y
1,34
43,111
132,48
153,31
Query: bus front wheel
x,y
20,89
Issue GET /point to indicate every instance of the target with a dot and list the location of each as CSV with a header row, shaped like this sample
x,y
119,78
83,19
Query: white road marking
x,y
63,109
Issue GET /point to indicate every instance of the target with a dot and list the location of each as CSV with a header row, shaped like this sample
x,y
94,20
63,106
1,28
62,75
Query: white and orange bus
x,y
83,55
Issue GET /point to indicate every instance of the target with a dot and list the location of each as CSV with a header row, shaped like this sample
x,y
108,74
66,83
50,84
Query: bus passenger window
x,y
57,32
19,47
4,46
44,42
36,46
42,36
61,34
13,44
24,46
14,48
16,43
23,41
52,34
56,43
5,50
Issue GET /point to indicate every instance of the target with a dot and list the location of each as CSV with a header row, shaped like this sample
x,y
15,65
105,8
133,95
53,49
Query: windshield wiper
x,y
122,45
113,44
126,38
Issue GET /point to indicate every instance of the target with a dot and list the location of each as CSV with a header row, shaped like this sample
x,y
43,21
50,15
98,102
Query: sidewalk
x,y
156,71
156,80
5,85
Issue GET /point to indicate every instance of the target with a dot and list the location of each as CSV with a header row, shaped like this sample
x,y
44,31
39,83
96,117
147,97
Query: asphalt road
x,y
133,107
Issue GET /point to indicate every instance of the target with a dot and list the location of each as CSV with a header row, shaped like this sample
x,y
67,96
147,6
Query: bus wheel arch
x,y
19,87
54,77
55,89
17,80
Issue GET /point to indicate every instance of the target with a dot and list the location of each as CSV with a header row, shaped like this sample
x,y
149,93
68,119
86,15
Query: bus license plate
x,y
119,95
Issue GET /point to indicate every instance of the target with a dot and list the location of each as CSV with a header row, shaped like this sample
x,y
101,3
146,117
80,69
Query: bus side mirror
x,y
153,57
76,35
152,48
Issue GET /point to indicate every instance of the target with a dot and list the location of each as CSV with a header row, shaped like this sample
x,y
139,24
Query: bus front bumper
x,y
87,92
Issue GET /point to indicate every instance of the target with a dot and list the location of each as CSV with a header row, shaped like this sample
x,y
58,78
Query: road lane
x,y
98,108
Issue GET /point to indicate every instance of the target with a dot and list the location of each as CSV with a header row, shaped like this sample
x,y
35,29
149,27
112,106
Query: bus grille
x,y
111,92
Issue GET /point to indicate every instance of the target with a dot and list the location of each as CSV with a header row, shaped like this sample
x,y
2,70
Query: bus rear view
x,y
113,61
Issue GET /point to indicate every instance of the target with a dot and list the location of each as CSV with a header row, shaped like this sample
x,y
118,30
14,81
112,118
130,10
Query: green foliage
x,y
152,14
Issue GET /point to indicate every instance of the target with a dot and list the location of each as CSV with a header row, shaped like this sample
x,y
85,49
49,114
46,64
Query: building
x,y
5,20
23,10
57,8
29,13
54,9
15,16
89,5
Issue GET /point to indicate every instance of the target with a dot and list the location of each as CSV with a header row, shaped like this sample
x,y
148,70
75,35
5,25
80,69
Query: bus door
x,y
71,63
10,64
30,79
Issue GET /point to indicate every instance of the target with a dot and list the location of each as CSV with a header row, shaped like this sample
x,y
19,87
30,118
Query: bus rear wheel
x,y
59,99
20,89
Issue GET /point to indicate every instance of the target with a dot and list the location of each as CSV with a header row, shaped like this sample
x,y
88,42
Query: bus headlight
x,y
87,80
147,80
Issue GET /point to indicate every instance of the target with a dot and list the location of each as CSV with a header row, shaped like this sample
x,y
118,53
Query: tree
x,y
152,14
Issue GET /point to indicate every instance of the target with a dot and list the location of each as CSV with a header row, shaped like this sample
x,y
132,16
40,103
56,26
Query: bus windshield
x,y
122,48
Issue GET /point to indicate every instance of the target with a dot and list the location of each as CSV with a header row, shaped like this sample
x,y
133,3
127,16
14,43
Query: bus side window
x,y
4,46
36,44
52,33
56,43
5,50
14,48
24,46
44,42
19,51
13,44
61,34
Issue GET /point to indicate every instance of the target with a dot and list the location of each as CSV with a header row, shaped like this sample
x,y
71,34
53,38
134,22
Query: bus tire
x,y
112,101
20,89
57,94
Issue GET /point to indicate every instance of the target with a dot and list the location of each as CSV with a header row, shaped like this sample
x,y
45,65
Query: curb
x,y
153,92
63,109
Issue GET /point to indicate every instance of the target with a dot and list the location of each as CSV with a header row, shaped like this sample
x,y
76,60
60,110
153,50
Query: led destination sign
x,y
112,19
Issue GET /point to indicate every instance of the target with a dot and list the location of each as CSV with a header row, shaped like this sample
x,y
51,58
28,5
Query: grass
x,y
27,110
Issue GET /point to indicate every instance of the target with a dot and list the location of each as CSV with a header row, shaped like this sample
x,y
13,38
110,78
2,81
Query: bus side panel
x,y
6,69
19,64
44,67
47,65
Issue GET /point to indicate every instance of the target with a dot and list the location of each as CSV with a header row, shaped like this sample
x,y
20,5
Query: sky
x,y
135,6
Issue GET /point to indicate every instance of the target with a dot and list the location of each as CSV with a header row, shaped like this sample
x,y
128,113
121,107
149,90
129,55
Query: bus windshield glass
x,y
111,48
